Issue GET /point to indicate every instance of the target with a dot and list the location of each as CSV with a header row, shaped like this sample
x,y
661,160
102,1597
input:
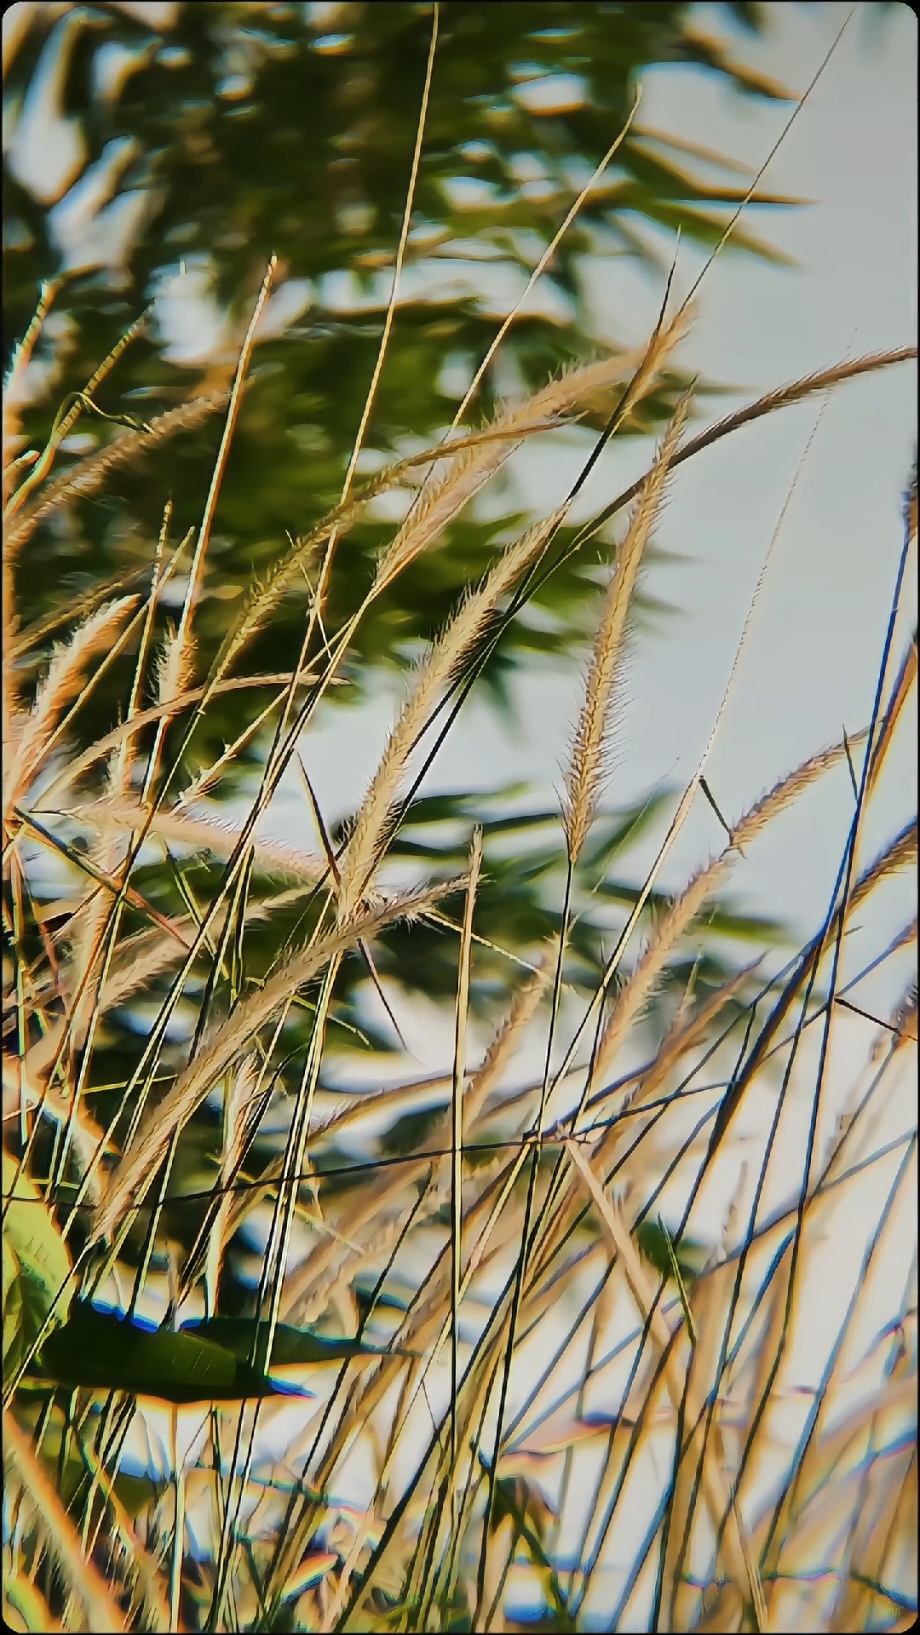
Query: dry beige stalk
x,y
88,1589
291,568
788,789
878,1420
26,1079
375,1213
240,1092
88,929
22,352
900,693
798,391
741,1565
307,1290
509,1036
900,853
638,987
687,1037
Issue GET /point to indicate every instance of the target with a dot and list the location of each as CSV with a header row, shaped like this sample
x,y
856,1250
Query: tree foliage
x,y
208,137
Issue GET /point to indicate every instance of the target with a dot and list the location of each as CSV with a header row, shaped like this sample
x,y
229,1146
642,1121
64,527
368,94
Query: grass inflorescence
x,y
497,1375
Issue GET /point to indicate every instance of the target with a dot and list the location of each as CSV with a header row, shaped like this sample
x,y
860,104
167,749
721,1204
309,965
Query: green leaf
x,y
240,1335
36,1264
100,1350
652,1239
24,1606
530,1514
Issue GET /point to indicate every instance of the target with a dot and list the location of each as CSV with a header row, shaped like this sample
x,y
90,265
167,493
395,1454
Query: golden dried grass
x,y
544,1248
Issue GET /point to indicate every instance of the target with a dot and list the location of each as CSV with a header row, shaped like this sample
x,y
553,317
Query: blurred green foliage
x,y
230,131
208,137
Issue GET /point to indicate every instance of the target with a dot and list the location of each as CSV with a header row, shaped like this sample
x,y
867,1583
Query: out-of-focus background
x,y
161,151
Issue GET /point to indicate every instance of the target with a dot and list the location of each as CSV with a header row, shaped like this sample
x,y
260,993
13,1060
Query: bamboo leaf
x,y
36,1264
101,1350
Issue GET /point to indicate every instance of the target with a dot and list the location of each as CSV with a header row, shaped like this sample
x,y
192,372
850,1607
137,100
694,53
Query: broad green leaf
x,y
36,1264
100,1350
291,1345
